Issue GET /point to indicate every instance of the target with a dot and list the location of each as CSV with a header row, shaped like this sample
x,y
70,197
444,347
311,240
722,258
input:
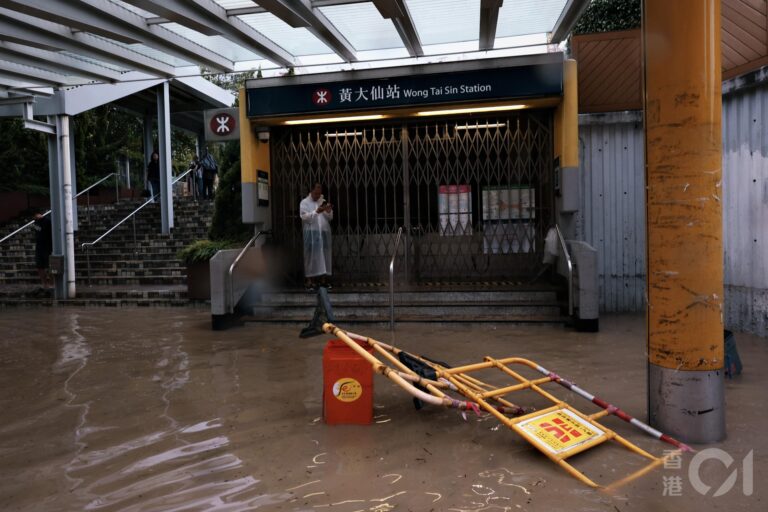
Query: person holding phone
x,y
316,215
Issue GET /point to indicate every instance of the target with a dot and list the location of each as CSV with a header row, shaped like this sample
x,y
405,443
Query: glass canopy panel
x,y
527,40
89,60
217,44
520,17
297,41
445,21
363,26
134,9
235,4
158,55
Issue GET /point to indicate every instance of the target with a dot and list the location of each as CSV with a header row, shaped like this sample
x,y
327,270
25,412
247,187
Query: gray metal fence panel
x,y
613,205
745,209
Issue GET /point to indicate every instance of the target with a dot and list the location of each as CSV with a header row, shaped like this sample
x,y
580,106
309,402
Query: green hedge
x,y
608,16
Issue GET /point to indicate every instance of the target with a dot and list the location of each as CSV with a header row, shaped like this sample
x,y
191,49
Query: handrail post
x,y
117,188
88,206
88,260
569,263
392,281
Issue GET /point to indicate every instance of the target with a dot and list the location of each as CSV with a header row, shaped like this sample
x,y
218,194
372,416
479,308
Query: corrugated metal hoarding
x,y
745,209
613,205
612,216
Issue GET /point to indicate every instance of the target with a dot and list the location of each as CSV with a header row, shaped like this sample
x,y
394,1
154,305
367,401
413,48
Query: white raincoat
x,y
316,228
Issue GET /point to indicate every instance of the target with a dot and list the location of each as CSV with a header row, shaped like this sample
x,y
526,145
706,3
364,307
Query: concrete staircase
x,y
146,272
521,304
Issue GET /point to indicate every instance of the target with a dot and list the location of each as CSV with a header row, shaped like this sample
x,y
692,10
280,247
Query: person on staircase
x,y
153,175
316,216
197,177
210,170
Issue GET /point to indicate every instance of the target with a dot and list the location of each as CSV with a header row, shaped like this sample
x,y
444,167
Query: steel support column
x,y
149,144
60,183
684,218
164,144
73,172
57,205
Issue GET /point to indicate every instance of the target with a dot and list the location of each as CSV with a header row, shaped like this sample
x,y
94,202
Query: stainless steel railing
x,y
230,282
569,265
102,180
86,246
392,281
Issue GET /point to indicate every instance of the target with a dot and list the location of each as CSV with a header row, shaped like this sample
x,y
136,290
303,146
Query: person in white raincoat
x,y
316,215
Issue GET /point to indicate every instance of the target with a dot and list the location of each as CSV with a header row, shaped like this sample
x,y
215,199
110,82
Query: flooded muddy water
x,y
150,410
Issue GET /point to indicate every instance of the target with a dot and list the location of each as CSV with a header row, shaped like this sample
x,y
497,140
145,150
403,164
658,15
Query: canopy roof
x,y
53,44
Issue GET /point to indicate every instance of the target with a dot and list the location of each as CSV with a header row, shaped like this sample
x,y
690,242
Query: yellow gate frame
x,y
559,431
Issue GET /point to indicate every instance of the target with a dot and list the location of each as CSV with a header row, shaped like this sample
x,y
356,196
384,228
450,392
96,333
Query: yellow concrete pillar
x,y
254,157
684,217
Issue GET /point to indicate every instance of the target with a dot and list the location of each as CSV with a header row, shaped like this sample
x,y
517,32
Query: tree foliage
x,y
101,136
227,223
609,15
24,155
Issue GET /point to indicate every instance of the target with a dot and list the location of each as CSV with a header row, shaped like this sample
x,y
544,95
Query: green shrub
x,y
608,16
203,250
227,222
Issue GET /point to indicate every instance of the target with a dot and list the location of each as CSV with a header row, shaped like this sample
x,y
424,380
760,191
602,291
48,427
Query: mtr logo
x,y
321,97
560,430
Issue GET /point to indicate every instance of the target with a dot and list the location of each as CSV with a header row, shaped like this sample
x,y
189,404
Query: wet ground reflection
x,y
149,410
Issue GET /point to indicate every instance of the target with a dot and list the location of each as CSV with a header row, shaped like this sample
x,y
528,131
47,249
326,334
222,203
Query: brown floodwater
x,y
150,410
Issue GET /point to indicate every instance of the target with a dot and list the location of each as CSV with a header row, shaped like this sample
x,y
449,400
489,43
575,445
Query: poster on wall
x,y
454,209
262,188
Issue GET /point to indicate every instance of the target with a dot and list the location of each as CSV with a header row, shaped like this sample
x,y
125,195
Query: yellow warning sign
x,y
559,431
347,389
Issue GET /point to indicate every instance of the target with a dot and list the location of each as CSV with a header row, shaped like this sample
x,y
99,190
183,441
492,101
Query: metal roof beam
x,y
57,62
194,13
571,13
25,29
398,12
111,20
33,74
301,13
13,88
489,19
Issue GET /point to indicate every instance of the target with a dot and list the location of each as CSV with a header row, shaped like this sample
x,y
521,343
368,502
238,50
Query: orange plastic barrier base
x,y
347,386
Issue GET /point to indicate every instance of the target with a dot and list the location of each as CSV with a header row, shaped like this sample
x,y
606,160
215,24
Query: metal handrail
x,y
234,264
86,245
25,226
569,263
392,281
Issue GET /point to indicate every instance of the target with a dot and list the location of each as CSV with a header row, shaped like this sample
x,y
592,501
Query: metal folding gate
x,y
475,197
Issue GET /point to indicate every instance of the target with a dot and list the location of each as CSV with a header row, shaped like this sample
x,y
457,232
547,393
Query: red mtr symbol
x,y
321,97
222,124
560,430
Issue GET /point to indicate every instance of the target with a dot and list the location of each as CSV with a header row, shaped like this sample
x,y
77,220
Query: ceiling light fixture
x,y
335,119
342,134
472,110
476,126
